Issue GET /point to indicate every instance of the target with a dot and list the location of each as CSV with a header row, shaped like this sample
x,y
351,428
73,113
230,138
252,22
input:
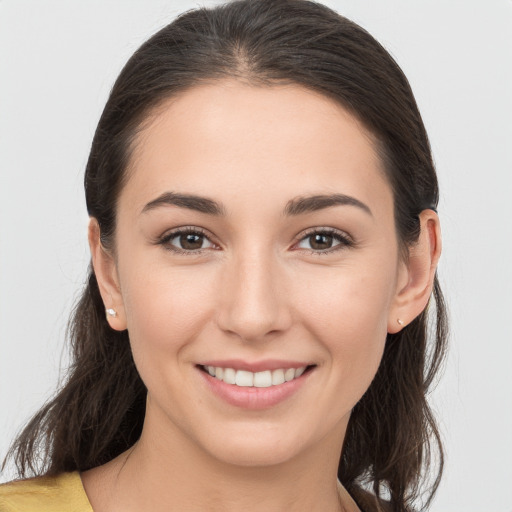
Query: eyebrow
x,y
306,204
190,201
296,206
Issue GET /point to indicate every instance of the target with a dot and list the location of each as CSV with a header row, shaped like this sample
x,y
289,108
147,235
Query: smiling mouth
x,y
263,379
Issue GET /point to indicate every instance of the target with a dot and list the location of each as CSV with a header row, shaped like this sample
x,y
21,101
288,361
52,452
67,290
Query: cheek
x,y
349,317
167,310
349,302
166,307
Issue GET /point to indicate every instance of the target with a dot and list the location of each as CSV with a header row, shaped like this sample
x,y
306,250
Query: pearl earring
x,y
400,321
111,312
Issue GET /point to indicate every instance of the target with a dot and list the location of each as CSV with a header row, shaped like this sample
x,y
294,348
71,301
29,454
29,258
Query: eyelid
x,y
165,239
324,229
346,241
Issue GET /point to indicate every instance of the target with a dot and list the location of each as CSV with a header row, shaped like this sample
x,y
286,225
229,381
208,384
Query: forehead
x,y
236,139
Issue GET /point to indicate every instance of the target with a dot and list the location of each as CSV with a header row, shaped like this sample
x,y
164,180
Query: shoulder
x,y
60,493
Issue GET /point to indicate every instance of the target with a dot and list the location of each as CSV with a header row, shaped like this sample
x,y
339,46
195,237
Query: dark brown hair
x,y
99,411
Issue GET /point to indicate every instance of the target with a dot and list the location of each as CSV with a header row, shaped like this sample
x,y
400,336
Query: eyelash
x,y
165,240
345,241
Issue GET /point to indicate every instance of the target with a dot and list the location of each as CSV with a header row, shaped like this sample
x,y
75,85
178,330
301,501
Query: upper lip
x,y
255,366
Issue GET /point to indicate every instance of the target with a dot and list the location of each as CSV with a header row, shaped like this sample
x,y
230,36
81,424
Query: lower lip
x,y
252,397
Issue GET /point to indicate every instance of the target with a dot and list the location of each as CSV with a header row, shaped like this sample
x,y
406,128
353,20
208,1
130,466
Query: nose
x,y
253,301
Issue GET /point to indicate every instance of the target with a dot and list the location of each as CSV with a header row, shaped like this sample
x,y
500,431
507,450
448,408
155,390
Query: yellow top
x,y
61,493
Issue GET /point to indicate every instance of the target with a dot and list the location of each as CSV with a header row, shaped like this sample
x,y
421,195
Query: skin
x,y
255,292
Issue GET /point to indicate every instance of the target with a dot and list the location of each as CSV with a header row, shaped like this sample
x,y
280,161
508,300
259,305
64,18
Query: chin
x,y
255,456
262,446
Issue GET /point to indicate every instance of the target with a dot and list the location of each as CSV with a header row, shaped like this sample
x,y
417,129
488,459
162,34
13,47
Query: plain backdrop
x,y
58,60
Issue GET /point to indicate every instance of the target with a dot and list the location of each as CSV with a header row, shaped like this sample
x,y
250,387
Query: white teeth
x,y
289,374
262,379
244,378
277,377
229,376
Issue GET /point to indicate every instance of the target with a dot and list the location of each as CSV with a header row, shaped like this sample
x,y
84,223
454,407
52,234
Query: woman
x,y
264,246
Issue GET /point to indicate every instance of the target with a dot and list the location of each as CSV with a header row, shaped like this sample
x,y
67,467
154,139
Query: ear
x,y
416,275
105,270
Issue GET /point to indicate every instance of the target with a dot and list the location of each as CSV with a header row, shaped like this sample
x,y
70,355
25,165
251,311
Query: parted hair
x,y
392,447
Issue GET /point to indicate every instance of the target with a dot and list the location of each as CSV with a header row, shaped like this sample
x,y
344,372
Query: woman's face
x,y
255,240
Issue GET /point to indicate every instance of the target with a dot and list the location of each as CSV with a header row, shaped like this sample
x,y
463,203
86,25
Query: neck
x,y
168,468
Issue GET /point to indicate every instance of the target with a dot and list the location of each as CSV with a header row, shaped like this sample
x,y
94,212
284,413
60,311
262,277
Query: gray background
x,y
58,60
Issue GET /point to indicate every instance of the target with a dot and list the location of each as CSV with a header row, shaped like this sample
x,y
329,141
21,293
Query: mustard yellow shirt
x,y
62,493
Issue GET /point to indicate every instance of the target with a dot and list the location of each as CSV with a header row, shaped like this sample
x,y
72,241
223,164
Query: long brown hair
x,y
98,413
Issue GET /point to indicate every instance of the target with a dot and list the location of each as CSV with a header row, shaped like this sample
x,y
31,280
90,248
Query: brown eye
x,y
186,241
320,241
191,241
325,241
